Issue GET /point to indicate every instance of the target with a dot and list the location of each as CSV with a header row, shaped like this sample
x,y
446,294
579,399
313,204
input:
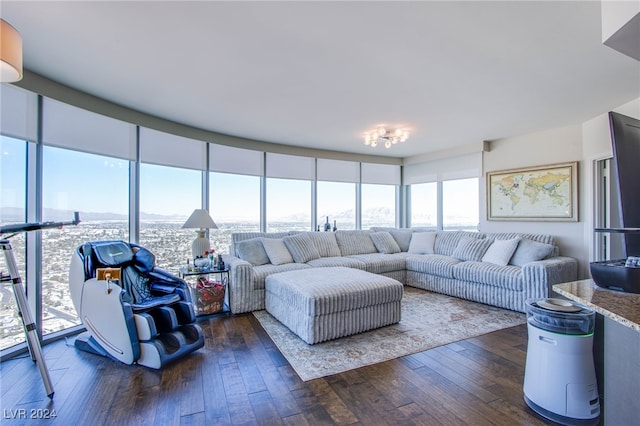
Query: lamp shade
x,y
10,53
200,219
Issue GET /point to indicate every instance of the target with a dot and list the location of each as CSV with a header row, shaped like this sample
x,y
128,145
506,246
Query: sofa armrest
x,y
240,282
539,277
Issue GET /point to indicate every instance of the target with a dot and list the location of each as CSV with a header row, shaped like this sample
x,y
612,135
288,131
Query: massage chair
x,y
133,312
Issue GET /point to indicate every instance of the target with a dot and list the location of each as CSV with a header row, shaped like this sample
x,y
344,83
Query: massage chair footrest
x,y
151,323
167,347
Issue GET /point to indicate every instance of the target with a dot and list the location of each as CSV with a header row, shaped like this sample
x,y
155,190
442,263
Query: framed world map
x,y
547,193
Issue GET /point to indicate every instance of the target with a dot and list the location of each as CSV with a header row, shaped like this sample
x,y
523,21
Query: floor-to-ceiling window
x,y
289,192
92,184
378,192
424,205
171,188
168,195
288,205
13,163
18,111
460,204
444,193
85,168
337,205
234,205
336,193
459,209
378,205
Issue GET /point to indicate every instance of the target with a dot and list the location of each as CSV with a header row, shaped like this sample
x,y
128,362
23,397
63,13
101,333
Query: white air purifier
x,y
560,378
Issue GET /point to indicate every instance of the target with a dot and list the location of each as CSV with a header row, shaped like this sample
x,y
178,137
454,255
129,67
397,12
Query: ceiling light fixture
x,y
385,137
10,53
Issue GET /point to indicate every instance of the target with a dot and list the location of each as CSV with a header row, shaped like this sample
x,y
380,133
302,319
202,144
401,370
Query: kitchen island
x,y
616,349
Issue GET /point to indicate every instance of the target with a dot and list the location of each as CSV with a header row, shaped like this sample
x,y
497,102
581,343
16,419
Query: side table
x,y
207,299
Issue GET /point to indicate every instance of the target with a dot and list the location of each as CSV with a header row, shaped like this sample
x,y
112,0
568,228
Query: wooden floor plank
x,y
465,399
461,377
240,410
241,378
332,403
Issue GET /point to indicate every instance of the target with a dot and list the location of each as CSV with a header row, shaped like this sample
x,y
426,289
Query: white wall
x,y
536,149
586,143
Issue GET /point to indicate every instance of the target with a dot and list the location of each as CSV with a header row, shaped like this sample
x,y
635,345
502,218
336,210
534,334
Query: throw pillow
x,y
301,248
422,242
277,251
530,251
385,243
501,251
471,249
355,242
402,237
326,243
252,251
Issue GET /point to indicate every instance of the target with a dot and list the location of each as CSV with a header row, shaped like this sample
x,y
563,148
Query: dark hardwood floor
x,y
240,377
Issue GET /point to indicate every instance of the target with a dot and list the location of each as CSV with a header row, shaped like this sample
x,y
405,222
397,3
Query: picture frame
x,y
541,193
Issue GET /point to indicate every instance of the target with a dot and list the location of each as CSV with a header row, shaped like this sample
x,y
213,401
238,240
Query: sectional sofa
x,y
500,269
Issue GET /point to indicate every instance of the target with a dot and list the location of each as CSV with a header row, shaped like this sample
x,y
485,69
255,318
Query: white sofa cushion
x,y
447,241
471,249
385,243
277,251
432,264
355,242
500,251
301,247
260,273
509,277
402,237
326,243
422,243
530,251
236,237
540,238
348,262
252,251
379,263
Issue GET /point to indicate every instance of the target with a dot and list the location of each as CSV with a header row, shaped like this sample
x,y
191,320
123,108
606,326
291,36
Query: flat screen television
x,y
625,138
617,274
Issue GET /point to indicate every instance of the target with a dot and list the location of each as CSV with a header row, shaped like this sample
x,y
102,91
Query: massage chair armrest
x,y
162,282
155,302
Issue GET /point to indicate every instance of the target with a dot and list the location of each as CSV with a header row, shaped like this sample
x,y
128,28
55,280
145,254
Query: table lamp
x,y
200,219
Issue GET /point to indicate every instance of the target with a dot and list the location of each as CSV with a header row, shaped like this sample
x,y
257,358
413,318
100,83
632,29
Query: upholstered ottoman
x,y
326,303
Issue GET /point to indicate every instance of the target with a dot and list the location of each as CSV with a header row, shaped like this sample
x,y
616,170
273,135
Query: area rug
x,y
428,320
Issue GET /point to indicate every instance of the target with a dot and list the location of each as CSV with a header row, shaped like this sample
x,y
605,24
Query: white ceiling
x,y
320,74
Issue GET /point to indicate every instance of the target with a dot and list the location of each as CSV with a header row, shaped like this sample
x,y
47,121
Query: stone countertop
x,y
623,308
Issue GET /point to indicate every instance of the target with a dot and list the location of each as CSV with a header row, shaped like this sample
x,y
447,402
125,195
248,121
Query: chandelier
x,y
385,137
